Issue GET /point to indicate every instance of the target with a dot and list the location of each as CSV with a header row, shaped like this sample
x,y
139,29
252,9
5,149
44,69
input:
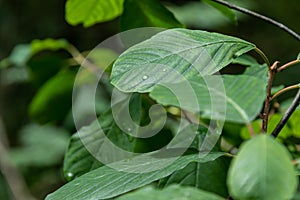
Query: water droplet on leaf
x,y
145,77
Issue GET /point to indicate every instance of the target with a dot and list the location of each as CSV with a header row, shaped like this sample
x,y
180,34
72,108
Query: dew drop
x,y
145,77
196,132
164,70
129,129
70,175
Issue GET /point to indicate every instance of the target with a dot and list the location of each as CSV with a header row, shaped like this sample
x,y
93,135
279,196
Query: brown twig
x,y
297,86
250,129
294,62
12,176
272,71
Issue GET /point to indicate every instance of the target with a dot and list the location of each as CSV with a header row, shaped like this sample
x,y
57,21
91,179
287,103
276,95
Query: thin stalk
x,y
294,62
297,86
259,16
287,115
11,174
272,71
264,57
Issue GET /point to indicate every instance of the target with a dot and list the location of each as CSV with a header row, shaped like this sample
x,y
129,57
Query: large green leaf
x,y
172,192
244,97
90,12
147,13
106,182
176,51
262,170
209,176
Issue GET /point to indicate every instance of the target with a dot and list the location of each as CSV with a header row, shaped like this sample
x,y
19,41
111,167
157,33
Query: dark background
x,y
22,21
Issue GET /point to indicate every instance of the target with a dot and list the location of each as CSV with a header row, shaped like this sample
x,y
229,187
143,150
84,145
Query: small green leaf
x,y
172,192
209,176
262,170
176,51
55,93
151,13
227,12
48,44
90,12
244,97
106,182
298,57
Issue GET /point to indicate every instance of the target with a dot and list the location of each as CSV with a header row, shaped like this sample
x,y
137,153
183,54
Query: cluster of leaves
x,y
262,168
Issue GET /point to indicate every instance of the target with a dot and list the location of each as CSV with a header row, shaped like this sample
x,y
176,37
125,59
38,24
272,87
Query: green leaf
x,y
294,122
176,51
227,12
106,182
262,169
172,192
78,160
244,97
36,141
273,121
298,57
147,13
90,141
55,93
209,176
90,12
48,44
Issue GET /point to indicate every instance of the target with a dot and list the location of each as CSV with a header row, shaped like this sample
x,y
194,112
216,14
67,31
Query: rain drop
x,y
145,77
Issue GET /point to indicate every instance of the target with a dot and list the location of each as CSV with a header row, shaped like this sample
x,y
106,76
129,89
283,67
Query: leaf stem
x,y
297,86
264,57
81,60
265,115
259,16
250,129
287,114
294,62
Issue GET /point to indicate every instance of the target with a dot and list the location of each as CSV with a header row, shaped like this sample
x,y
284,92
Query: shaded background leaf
x,y
151,14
